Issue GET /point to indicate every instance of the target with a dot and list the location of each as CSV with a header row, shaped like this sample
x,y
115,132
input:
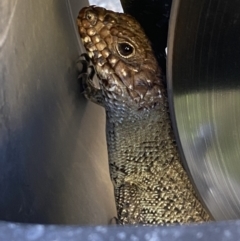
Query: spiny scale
x,y
150,184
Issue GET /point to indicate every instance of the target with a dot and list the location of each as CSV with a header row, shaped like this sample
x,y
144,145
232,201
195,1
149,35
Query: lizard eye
x,y
126,50
91,17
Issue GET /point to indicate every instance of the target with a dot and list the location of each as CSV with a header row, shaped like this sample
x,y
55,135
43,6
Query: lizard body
x,y
150,183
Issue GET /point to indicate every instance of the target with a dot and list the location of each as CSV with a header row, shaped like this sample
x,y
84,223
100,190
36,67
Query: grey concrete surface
x,y
224,231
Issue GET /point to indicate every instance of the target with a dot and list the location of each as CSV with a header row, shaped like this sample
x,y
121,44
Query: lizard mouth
x,y
97,39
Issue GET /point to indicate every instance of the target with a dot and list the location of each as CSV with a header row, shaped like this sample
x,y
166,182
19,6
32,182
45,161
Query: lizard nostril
x,y
91,17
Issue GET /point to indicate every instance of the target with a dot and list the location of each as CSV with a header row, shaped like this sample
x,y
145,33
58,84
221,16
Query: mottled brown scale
x,y
150,183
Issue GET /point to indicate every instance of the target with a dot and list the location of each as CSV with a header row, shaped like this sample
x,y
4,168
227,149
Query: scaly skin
x,y
150,184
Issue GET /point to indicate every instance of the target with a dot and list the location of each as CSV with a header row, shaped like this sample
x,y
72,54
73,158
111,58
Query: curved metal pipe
x,y
204,91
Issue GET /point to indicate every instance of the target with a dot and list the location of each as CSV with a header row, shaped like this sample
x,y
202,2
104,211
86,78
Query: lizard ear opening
x,y
125,50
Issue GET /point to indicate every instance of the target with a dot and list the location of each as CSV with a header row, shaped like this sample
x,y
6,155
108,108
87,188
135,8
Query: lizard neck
x,y
136,144
146,170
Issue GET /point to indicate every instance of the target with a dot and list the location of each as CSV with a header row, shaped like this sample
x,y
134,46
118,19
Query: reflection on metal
x,y
204,91
53,162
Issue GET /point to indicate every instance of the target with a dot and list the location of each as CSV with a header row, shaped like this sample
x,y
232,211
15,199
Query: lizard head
x,y
123,58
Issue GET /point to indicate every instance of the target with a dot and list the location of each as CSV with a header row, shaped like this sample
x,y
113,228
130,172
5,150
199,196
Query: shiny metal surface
x,y
53,160
204,91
